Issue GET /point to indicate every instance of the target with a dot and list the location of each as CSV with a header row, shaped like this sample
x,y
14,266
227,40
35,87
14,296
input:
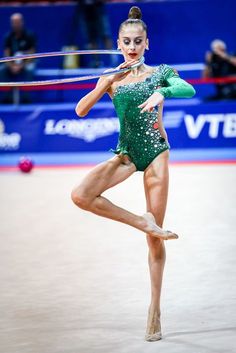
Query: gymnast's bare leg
x,y
156,179
110,173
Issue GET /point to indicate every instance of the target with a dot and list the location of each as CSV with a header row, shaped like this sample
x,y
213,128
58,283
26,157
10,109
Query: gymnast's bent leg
x,y
104,176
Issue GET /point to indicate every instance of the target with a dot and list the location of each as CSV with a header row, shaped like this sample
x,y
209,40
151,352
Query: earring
x,y
147,48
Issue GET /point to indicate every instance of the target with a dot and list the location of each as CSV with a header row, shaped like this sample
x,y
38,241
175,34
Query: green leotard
x,y
139,136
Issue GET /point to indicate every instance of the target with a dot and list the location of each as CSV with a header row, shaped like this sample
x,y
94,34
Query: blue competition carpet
x,y
226,155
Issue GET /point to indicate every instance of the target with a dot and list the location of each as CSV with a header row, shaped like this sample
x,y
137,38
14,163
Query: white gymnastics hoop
x,y
65,80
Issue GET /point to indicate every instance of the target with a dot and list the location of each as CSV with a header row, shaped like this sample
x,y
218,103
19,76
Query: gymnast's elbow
x,y
80,111
192,91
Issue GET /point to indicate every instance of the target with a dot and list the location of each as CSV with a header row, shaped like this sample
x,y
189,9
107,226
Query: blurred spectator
x,y
17,42
219,63
95,28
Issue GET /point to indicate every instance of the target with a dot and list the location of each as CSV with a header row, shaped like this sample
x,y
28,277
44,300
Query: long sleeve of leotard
x,y
174,86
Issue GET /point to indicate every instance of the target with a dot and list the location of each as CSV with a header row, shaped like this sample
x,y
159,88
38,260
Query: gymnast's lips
x,y
132,55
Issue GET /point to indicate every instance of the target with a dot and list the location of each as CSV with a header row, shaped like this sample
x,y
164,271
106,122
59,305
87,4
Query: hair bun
x,y
135,13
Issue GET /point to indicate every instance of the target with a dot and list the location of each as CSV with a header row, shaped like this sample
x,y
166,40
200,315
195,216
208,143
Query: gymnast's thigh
x,y
106,175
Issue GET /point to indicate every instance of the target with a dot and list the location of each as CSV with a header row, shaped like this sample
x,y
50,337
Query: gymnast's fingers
x,y
142,105
147,107
127,64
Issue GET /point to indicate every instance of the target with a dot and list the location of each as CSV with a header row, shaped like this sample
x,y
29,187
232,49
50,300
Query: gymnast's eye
x,y
137,41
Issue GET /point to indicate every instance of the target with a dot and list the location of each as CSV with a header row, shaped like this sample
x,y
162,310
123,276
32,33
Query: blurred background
x,y
197,37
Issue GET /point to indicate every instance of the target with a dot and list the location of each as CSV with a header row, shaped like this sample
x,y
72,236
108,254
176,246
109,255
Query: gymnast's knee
x,y
81,199
156,248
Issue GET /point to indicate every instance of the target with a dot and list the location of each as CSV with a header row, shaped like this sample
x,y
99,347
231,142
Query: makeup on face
x,y
132,42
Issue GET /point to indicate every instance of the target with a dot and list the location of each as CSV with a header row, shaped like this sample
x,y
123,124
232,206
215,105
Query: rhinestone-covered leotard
x,y
140,137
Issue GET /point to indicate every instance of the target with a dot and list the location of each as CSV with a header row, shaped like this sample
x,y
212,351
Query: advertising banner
x,y
56,128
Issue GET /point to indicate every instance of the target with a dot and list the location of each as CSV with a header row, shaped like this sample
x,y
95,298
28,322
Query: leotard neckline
x,y
134,83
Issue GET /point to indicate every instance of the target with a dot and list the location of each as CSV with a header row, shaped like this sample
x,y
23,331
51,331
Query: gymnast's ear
x,y
118,44
147,44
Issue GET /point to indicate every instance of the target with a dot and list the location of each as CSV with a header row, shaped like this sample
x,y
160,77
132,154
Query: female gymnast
x,y
142,146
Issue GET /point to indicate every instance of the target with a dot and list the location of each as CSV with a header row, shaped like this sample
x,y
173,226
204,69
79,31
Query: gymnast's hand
x,y
154,100
120,76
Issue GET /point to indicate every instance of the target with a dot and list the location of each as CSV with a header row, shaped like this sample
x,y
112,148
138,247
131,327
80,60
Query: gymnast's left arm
x,y
173,87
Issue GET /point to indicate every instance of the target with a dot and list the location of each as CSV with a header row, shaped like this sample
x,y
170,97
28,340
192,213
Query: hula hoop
x,y
64,80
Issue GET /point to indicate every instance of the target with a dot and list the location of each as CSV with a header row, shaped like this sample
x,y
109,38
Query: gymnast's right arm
x,y
103,86
88,101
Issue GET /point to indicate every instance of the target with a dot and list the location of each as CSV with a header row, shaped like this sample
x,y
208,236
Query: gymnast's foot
x,y
153,229
153,332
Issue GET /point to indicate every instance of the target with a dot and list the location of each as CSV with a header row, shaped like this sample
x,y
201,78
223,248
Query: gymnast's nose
x,y
132,46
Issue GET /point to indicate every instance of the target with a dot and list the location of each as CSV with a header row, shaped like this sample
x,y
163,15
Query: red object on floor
x,y
25,164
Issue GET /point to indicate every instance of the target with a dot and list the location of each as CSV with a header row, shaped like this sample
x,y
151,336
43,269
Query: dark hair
x,y
134,17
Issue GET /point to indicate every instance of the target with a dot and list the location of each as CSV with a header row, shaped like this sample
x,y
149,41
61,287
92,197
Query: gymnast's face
x,y
132,41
